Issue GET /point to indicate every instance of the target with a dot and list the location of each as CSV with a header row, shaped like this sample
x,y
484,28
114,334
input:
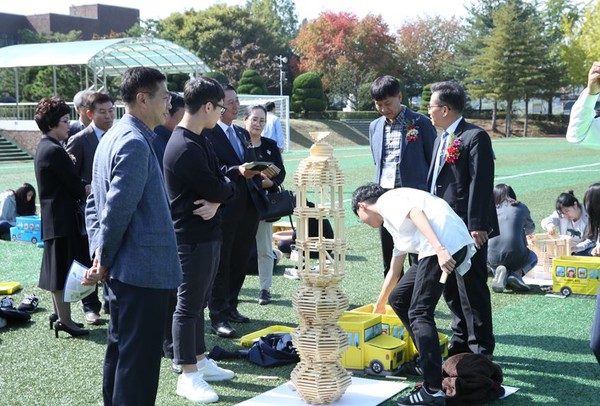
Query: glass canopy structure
x,y
104,58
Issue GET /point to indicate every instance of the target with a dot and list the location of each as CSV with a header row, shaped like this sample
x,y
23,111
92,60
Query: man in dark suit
x,y
240,217
462,173
82,146
401,143
80,102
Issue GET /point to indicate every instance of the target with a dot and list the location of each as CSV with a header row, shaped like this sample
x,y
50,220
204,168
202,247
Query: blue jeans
x,y
532,261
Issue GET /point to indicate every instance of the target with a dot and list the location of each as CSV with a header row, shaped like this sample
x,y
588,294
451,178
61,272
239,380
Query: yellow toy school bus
x,y
369,350
574,274
391,325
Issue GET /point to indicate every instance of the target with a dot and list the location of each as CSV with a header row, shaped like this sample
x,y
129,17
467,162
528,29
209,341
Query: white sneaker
x,y
291,273
192,387
211,372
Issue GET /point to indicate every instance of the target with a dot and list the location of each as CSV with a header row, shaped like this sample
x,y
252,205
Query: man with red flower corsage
x,y
462,173
402,146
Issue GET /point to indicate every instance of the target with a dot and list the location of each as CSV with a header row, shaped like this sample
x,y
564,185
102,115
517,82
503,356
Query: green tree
x,y
425,98
279,16
67,80
580,48
555,16
207,33
307,94
251,83
477,27
509,61
425,50
218,76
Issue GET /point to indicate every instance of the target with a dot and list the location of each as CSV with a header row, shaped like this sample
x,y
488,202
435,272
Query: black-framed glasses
x,y
223,108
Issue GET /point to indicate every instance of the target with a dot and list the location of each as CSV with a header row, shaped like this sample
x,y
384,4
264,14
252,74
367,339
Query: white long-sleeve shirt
x,y
574,229
583,127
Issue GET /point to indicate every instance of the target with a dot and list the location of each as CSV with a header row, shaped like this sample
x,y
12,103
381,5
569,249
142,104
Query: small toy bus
x,y
575,275
369,350
392,326
28,229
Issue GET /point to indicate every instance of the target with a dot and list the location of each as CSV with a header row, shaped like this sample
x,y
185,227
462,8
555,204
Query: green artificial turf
x,y
542,342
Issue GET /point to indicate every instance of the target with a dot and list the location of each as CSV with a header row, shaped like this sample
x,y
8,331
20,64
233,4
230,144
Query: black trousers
x,y
239,238
414,300
167,347
199,263
133,352
469,300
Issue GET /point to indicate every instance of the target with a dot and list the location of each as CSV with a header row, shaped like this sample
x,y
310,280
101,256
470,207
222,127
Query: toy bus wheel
x,y
34,240
14,238
376,367
565,291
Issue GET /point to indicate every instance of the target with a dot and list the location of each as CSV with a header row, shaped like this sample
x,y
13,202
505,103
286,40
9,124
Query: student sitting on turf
x,y
508,254
570,218
13,203
424,224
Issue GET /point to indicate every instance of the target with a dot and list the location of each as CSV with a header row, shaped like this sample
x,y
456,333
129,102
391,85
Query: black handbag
x,y
279,204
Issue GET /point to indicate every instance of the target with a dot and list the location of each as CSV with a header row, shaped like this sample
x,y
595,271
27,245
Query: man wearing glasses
x,y
462,173
240,216
132,240
194,179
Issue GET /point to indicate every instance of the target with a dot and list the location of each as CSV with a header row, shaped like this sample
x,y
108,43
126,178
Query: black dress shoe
x,y
223,329
237,317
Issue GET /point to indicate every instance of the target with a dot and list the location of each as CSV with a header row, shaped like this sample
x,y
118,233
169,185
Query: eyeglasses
x,y
436,105
166,97
223,108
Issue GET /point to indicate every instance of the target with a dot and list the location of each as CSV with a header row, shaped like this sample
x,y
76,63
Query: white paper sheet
x,y
362,392
74,290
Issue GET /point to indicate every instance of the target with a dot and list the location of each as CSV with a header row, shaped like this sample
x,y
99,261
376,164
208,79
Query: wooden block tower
x,y
320,377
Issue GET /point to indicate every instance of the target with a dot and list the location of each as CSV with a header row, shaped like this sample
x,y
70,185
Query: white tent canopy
x,y
105,57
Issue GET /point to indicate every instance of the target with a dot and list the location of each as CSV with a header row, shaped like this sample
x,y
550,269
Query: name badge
x,y
388,175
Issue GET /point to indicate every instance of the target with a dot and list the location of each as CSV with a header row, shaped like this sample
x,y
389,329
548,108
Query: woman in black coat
x,y
264,149
60,191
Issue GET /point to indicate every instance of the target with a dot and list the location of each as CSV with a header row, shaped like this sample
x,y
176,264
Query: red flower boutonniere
x,y
454,148
412,134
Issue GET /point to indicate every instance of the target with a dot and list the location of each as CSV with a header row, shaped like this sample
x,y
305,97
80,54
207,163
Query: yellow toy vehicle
x,y
391,325
574,274
369,350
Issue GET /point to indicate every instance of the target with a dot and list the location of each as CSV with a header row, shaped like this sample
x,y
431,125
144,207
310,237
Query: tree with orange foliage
x,y
345,51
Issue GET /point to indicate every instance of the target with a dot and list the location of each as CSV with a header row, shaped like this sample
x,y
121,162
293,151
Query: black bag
x,y
273,350
279,204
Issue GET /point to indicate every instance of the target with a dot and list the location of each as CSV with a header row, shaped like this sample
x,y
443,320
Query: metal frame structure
x,y
103,58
